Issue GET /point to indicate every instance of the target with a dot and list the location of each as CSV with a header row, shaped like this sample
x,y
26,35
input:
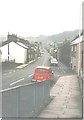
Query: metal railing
x,y
25,100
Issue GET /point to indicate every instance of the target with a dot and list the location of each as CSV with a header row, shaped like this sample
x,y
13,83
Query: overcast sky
x,y
38,17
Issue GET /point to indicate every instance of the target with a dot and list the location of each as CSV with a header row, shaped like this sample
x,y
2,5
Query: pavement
x,y
30,62
67,99
24,65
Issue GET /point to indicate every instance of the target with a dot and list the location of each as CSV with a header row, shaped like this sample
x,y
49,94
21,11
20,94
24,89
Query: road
x,y
22,76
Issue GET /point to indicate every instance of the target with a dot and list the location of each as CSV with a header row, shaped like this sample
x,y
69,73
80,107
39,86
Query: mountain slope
x,y
70,35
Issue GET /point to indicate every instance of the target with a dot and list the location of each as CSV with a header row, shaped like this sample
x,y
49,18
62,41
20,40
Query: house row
x,y
77,53
18,50
52,49
71,53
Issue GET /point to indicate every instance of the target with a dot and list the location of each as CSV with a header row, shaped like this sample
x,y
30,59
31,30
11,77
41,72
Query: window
x,y
41,71
72,48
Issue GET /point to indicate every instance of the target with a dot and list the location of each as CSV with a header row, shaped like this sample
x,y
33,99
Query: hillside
x,y
55,38
59,37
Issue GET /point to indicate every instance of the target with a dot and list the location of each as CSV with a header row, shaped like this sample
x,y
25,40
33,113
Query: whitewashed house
x,y
14,51
18,50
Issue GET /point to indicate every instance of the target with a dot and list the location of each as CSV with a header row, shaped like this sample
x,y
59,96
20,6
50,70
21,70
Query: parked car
x,y
42,73
53,62
51,57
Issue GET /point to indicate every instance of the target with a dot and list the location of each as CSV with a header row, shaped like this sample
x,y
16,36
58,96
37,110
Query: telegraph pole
x,y
79,51
8,52
8,45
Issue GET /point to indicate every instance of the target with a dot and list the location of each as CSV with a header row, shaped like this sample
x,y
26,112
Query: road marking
x,y
22,66
30,75
17,81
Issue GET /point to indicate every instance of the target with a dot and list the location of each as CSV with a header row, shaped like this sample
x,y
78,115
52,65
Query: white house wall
x,y
17,53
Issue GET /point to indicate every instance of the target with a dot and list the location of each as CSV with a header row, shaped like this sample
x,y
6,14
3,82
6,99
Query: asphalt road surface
x,y
16,77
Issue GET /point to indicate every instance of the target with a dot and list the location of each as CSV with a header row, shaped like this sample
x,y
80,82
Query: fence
x,y
25,100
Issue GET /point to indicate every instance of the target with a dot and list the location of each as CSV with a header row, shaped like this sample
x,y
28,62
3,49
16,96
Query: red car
x,y
42,73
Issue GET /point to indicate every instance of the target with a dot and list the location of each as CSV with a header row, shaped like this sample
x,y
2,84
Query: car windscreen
x,y
41,71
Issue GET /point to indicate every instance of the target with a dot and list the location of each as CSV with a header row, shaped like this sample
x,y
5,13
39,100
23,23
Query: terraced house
x,y
77,51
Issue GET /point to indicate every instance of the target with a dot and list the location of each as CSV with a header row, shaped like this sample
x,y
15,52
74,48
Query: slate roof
x,y
78,36
21,42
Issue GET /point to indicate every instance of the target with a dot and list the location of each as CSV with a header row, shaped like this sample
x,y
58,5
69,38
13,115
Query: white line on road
x,y
30,75
17,81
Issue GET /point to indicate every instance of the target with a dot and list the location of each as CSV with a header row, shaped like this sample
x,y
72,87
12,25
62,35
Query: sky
x,y
38,17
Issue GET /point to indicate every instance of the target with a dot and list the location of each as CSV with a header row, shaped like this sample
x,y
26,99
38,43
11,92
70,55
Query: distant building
x,y
52,49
